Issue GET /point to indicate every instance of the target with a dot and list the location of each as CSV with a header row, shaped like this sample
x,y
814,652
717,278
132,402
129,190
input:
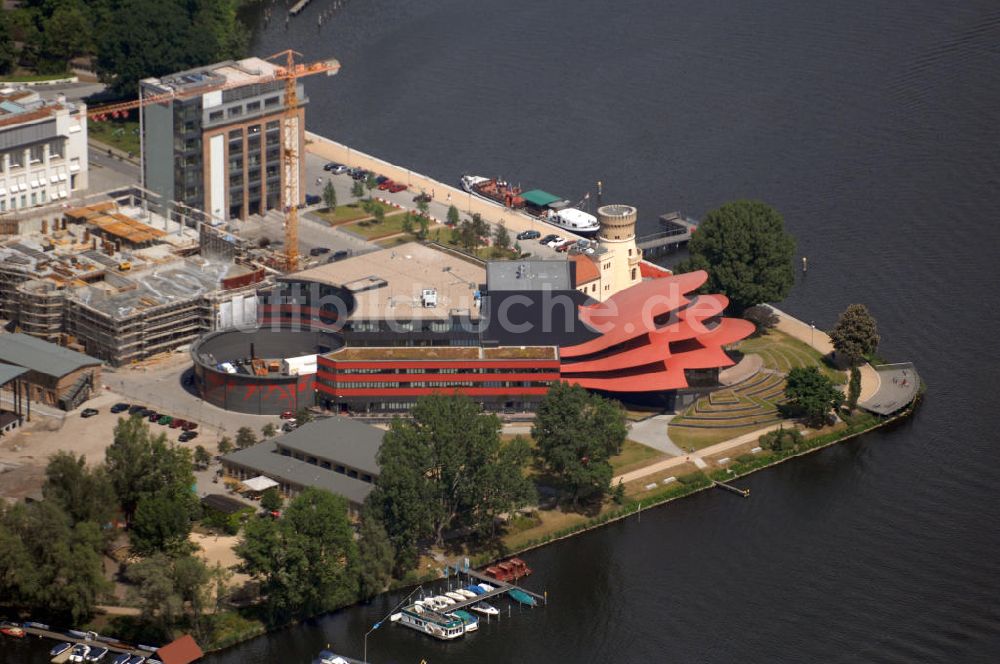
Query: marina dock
x,y
729,487
93,640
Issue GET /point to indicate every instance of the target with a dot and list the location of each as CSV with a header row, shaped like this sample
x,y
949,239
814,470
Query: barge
x,y
537,203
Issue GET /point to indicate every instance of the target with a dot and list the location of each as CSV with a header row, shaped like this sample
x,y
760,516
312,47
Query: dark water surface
x,y
874,128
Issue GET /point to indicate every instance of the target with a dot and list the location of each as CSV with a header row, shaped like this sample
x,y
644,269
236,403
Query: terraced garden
x,y
753,403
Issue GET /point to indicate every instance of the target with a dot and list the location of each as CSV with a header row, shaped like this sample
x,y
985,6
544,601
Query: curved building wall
x,y
259,395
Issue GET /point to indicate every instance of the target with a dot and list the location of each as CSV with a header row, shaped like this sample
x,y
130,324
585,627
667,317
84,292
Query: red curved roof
x,y
650,358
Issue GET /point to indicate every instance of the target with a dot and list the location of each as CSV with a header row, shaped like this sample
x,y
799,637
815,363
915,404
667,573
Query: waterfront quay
x,y
445,194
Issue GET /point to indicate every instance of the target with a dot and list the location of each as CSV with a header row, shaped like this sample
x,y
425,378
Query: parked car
x,y
186,436
60,648
313,199
422,197
548,238
120,408
555,242
190,426
384,184
564,245
177,423
528,235
396,187
380,180
335,168
89,412
338,256
288,415
79,653
165,419
289,426
319,251
96,654
136,409
360,174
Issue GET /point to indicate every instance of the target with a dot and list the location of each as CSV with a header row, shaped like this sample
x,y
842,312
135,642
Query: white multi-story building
x,y
43,149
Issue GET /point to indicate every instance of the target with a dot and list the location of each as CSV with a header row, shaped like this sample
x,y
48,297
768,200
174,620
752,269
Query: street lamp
x,y
812,334
364,657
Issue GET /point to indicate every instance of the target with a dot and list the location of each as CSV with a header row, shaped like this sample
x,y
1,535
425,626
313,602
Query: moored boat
x,y
457,596
475,590
432,623
487,588
485,609
466,593
12,629
522,597
470,621
494,190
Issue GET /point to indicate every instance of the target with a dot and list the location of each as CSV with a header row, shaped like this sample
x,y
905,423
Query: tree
x,y
501,240
370,184
375,555
446,468
423,223
358,189
855,335
268,430
8,54
303,416
762,316
854,388
407,223
245,438
781,440
153,588
67,34
84,494
271,500
225,446
141,464
330,196
423,206
306,560
480,230
812,394
747,253
378,212
201,457
162,522
576,434
453,217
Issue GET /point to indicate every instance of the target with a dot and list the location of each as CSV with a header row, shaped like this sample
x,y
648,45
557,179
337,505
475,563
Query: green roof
x,y
540,198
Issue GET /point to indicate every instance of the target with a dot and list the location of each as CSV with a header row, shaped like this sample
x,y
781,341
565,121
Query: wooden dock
x,y
499,588
729,487
298,7
111,644
677,230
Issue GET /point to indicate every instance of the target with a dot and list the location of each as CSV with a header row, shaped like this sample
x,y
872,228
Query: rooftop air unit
x,y
429,298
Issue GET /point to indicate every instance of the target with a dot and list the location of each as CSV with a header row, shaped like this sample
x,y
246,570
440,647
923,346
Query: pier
x,y
499,588
729,487
298,7
677,231
87,638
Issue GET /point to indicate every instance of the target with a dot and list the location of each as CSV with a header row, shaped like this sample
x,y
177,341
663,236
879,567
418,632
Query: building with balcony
x,y
217,145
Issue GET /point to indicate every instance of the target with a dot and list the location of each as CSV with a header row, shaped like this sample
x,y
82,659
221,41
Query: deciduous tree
x,y
811,394
245,438
576,434
84,494
330,196
855,335
453,216
747,252
375,555
854,388
271,500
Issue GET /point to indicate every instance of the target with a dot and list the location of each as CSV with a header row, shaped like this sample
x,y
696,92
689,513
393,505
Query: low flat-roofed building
x,y
56,376
335,454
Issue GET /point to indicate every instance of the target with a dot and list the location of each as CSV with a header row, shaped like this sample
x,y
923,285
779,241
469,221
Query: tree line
x,y
129,39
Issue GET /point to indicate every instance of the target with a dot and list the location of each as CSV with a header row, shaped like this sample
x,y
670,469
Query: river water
x,y
873,127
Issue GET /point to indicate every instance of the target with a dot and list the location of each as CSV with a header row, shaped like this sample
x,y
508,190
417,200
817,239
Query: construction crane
x,y
287,70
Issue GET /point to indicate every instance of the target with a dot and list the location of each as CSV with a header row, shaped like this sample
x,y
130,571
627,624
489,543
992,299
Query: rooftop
x,y
396,353
19,106
9,372
46,358
228,71
388,284
341,439
528,275
265,460
586,269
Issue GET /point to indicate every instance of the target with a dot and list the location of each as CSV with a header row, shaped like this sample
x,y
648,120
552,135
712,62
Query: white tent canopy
x,y
259,483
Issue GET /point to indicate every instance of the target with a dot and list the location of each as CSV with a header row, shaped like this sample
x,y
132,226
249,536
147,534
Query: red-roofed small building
x,y
180,651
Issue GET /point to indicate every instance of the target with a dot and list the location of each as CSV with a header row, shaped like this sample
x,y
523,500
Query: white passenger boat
x,y
432,623
471,622
574,221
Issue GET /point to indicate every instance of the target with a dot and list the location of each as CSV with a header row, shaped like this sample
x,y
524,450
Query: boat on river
x,y
432,623
470,621
522,597
537,203
485,609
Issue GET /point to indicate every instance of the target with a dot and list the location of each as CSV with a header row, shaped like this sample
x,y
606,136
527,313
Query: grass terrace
x,y
520,353
116,133
406,353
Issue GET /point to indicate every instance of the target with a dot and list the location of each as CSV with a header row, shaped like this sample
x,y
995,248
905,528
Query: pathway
x,y
653,432
698,458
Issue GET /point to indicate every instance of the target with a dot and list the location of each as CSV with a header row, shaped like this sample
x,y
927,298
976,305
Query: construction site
x,y
121,283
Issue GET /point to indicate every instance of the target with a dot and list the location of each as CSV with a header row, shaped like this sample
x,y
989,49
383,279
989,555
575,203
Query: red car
x,y
396,187
565,245
177,423
385,185
288,415
190,426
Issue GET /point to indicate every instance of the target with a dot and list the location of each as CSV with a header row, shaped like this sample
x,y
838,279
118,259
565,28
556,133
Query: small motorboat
x,y
59,649
485,609
475,590
466,593
12,629
487,588
122,658
471,622
327,657
458,597
444,600
522,597
395,617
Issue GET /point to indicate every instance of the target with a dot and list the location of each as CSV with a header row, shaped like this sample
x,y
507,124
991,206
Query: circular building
x,y
265,371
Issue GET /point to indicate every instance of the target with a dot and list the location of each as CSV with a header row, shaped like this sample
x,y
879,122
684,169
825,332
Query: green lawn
x,y
634,455
34,78
120,134
369,229
344,213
